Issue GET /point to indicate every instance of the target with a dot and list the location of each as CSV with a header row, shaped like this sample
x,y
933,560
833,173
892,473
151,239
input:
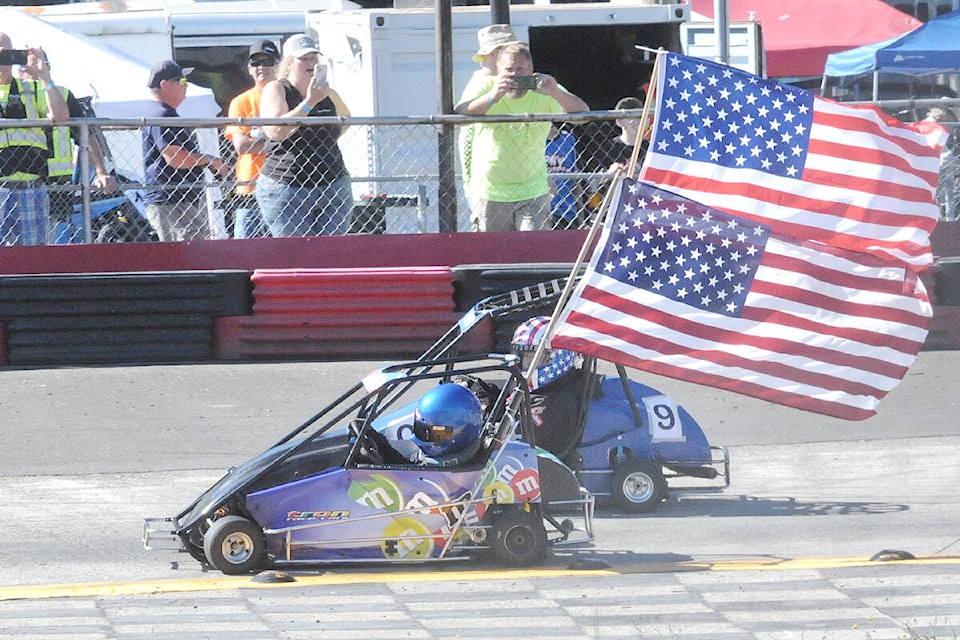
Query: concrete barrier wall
x,y
346,314
343,297
324,252
316,252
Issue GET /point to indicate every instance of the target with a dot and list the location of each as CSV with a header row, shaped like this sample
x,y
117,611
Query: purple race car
x,y
461,479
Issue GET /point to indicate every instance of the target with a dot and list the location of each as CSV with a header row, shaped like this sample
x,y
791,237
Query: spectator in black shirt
x,y
616,152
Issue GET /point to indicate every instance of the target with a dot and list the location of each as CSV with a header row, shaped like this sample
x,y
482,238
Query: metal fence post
x,y
84,158
446,138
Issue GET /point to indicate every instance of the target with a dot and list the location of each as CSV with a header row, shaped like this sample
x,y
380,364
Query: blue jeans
x,y
247,221
304,211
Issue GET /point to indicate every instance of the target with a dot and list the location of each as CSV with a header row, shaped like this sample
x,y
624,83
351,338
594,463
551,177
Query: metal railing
x,y
395,183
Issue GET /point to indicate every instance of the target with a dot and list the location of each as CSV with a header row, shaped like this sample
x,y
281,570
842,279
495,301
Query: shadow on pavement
x,y
752,506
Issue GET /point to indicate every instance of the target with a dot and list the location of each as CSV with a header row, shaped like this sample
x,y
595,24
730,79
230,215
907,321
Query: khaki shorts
x,y
525,215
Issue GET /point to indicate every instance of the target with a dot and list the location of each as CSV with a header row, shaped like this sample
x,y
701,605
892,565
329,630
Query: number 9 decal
x,y
664,420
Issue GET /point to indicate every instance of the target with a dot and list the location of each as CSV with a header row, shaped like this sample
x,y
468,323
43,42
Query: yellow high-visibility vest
x,y
61,148
35,105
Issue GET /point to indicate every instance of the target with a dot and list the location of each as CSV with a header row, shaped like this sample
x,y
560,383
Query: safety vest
x,y
61,149
35,105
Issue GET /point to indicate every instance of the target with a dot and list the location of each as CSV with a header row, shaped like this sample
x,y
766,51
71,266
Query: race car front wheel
x,y
518,538
637,486
234,545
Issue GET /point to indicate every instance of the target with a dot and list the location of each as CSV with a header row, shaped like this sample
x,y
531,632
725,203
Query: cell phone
x,y
526,82
13,56
319,74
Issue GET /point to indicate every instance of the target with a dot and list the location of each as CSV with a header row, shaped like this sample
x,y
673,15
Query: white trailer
x,y
213,37
383,62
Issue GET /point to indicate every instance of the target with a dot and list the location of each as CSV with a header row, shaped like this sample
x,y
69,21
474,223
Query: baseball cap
x,y
166,70
492,38
264,47
299,45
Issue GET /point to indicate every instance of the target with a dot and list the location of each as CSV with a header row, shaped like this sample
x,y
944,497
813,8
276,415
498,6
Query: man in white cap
x,y
489,41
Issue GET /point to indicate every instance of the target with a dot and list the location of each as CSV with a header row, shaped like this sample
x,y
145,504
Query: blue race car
x,y
628,443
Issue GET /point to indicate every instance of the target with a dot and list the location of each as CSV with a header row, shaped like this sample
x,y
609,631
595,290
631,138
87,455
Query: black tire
x,y
234,545
193,543
124,224
518,538
637,486
195,552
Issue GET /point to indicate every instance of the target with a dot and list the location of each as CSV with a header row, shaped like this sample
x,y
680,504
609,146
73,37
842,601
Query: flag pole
x,y
645,116
571,280
601,217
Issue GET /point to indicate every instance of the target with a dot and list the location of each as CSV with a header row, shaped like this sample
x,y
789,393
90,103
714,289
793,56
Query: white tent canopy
x,y
116,80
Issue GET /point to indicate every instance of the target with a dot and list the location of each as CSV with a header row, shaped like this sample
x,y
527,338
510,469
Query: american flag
x,y
683,290
811,168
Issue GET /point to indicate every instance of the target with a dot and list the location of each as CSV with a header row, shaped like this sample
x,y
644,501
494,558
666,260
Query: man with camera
x,y
24,203
61,181
509,188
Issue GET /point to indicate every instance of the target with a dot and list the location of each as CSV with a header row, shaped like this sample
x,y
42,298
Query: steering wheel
x,y
370,451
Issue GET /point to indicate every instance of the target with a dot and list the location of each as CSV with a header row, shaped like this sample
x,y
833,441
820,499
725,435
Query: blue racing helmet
x,y
527,338
448,418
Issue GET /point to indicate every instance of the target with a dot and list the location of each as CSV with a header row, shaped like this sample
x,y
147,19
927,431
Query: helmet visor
x,y
431,433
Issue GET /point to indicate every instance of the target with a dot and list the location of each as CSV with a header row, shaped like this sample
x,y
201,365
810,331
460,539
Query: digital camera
x,y
526,82
13,56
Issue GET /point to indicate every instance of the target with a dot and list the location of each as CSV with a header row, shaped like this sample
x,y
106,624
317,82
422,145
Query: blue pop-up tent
x,y
931,48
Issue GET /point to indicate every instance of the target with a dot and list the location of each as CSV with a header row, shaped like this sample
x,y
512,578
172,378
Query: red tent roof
x,y
798,34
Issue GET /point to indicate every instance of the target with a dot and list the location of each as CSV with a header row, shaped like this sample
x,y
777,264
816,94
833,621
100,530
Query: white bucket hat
x,y
492,38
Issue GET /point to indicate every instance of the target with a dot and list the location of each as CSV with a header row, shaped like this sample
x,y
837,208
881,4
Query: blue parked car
x,y
628,443
113,219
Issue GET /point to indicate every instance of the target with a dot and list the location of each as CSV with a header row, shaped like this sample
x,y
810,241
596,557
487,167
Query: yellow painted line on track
x,y
226,583
107,589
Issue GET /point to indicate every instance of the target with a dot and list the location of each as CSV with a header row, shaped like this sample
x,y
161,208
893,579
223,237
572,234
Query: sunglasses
x,y
265,62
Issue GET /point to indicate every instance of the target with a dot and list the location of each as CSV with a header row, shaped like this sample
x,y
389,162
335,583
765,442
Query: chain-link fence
x,y
372,175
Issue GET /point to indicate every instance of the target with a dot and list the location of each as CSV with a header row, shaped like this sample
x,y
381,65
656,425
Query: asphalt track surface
x,y
784,552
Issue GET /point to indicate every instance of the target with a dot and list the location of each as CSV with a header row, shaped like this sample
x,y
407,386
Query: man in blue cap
x,y
173,164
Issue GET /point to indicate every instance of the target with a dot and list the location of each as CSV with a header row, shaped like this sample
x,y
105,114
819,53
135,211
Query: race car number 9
x,y
664,419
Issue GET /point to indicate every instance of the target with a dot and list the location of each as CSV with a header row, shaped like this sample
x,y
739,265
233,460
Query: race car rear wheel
x,y
518,538
234,545
637,486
